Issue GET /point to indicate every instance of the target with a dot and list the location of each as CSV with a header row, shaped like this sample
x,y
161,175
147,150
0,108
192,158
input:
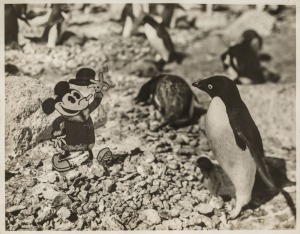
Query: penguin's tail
x,y
178,57
289,201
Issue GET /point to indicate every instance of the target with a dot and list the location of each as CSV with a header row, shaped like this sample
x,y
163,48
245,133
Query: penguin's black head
x,y
218,86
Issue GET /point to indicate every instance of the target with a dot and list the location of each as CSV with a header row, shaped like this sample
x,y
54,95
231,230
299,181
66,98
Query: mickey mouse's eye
x,y
210,86
76,95
71,99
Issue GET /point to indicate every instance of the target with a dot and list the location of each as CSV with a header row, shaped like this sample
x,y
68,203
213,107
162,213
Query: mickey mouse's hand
x,y
59,141
98,86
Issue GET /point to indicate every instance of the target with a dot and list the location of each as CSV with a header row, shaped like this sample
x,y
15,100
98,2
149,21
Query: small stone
x,y
15,208
61,199
216,202
173,224
52,177
92,214
29,219
153,189
80,224
72,175
186,204
83,195
49,193
149,157
216,220
101,207
142,125
182,139
173,165
185,213
203,208
175,211
151,217
64,213
154,125
44,215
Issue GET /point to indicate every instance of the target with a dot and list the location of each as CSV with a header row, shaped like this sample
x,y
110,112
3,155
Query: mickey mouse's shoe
x,y
61,165
105,157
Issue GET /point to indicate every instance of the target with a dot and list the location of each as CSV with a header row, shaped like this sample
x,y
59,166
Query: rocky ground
x,y
153,184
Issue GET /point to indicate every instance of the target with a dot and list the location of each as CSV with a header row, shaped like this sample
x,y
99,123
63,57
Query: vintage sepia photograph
x,y
149,116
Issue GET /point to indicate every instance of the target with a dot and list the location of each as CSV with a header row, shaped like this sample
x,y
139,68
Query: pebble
x,y
173,165
72,175
153,189
151,217
15,208
186,205
175,211
44,214
52,177
64,212
173,224
149,157
204,208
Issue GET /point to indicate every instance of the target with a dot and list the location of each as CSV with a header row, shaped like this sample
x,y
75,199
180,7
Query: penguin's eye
x,y
210,86
71,99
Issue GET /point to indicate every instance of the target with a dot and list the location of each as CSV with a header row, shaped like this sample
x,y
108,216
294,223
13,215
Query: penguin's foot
x,y
235,212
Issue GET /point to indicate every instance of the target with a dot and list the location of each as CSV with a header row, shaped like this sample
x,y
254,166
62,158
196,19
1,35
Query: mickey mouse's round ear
x,y
48,106
61,88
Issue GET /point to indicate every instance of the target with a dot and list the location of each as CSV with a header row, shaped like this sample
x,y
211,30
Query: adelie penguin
x,y
13,12
160,40
242,61
173,97
54,32
235,140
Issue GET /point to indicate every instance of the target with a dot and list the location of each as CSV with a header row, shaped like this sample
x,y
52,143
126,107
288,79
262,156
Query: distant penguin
x,y
13,12
242,61
160,40
215,179
54,32
172,96
53,28
235,140
132,17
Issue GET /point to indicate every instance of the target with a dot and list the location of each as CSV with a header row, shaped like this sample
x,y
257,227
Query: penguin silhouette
x,y
160,40
235,140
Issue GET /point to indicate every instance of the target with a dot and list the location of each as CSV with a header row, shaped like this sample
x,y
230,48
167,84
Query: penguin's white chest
x,y
127,30
237,163
156,42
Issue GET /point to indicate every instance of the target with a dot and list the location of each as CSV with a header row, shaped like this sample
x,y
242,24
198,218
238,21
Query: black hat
x,y
83,77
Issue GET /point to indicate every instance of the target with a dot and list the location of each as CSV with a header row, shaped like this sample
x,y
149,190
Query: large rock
x,y
26,124
261,22
273,108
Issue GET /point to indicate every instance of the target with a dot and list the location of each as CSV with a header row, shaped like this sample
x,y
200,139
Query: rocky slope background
x,y
153,184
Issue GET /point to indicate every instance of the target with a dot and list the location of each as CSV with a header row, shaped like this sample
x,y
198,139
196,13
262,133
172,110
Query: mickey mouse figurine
x,y
73,131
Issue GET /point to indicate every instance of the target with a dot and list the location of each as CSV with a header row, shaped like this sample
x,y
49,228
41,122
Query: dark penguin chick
x,y
160,40
172,96
215,179
235,140
241,61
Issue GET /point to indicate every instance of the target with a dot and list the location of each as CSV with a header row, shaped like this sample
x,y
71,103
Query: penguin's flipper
x,y
258,157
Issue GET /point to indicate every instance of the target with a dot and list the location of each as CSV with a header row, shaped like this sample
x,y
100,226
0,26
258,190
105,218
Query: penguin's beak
x,y
199,84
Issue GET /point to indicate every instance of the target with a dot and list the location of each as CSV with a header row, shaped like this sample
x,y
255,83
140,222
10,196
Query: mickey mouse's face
x,y
72,103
